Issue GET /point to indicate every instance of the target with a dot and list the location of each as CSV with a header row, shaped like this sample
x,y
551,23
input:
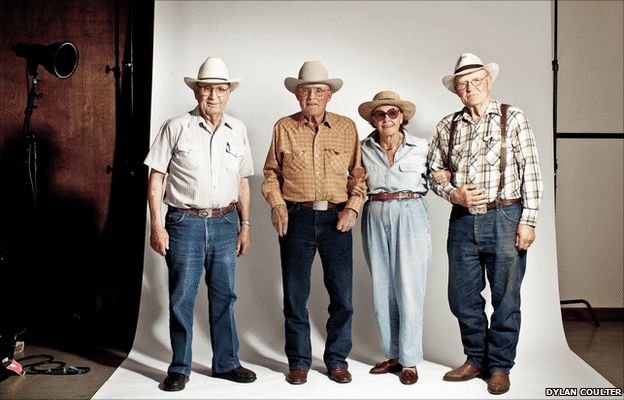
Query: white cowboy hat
x,y
387,98
312,72
213,70
466,64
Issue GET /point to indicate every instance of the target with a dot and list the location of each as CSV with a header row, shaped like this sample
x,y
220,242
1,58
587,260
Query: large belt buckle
x,y
205,213
319,205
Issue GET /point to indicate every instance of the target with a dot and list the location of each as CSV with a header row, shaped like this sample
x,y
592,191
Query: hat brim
x,y
449,80
292,83
407,108
190,82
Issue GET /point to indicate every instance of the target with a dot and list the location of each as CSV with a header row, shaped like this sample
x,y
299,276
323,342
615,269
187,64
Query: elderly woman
x,y
395,230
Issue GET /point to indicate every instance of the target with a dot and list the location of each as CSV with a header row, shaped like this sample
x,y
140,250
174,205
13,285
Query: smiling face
x,y
474,88
313,99
212,99
387,119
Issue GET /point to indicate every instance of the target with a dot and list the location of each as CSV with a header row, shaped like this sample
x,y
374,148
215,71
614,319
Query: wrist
x,y
245,223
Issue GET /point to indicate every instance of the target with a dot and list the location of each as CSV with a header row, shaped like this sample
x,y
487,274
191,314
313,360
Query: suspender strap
x,y
451,139
503,151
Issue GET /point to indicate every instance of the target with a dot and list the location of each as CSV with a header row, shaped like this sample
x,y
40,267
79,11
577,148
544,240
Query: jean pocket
x,y
175,217
231,217
511,213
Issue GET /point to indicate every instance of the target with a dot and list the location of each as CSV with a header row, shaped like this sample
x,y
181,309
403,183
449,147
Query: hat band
x,y
220,79
469,66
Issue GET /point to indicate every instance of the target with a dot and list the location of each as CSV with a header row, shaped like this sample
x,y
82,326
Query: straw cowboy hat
x,y
312,72
213,70
387,98
466,64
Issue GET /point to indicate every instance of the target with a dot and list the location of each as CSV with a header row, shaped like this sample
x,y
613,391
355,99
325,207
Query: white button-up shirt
x,y
204,168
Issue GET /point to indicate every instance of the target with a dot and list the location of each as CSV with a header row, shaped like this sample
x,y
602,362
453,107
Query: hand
x,y
356,186
279,219
469,196
346,220
243,242
159,239
525,236
442,176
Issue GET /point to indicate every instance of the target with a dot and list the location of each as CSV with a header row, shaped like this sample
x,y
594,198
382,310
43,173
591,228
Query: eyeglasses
x,y
393,113
475,82
220,91
305,91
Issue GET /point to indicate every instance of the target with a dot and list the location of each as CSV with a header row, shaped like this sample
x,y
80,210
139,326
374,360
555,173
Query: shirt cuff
x,y
355,203
529,217
275,199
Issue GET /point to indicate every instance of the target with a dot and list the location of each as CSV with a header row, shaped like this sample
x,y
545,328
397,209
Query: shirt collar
x,y
328,121
197,119
493,108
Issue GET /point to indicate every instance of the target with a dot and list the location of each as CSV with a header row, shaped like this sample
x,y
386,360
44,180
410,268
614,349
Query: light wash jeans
x,y
397,244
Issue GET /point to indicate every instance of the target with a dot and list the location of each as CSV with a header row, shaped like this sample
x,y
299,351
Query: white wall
x,y
402,46
589,177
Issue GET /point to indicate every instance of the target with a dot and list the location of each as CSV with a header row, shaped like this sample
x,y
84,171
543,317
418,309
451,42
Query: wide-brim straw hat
x,y
387,98
213,70
466,64
312,72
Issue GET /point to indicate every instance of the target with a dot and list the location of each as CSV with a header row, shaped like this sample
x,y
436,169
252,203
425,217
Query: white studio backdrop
x,y
405,46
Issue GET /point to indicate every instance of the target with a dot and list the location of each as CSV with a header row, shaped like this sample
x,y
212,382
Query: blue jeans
x,y
480,245
309,230
195,244
397,244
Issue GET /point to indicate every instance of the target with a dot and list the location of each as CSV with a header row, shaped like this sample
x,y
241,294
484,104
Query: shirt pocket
x,y
188,155
493,151
293,163
234,157
410,174
458,158
336,162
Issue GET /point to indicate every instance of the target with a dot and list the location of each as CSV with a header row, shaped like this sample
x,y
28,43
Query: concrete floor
x,y
601,347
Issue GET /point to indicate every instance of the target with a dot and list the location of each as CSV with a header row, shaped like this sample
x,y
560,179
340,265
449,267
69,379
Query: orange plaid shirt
x,y
304,166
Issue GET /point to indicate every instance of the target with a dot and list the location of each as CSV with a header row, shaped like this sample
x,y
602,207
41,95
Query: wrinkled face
x,y
313,99
212,98
474,88
387,119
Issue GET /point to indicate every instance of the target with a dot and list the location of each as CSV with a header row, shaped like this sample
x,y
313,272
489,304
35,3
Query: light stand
x,y
60,59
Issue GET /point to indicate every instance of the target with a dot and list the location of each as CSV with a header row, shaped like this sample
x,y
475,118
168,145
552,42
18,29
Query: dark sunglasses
x,y
393,113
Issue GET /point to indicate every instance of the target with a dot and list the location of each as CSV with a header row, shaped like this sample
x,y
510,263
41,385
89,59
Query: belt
x,y
208,212
491,205
310,204
383,196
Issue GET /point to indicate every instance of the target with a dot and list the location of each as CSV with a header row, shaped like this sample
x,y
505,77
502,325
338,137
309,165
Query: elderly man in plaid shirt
x,y
311,156
495,186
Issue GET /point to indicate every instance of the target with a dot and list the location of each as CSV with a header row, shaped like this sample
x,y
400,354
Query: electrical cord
x,y
42,367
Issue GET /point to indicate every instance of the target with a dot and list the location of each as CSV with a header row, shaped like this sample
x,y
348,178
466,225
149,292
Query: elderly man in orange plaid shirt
x,y
312,154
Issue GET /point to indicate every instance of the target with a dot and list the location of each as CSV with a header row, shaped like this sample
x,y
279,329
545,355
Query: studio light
x,y
60,58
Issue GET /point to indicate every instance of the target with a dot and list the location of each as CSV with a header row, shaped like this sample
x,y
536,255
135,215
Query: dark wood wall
x,y
73,257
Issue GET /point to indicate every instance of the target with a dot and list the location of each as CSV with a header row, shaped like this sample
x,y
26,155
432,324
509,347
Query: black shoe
x,y
174,382
240,375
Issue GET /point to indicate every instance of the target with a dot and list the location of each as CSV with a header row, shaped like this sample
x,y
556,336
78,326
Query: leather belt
x,y
208,212
383,196
491,205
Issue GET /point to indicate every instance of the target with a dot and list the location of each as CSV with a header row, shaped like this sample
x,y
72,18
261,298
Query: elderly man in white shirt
x,y
206,158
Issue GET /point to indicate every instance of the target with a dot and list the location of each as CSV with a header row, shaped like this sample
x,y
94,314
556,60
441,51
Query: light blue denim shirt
x,y
409,171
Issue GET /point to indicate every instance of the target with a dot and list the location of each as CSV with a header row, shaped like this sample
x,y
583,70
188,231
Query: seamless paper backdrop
x,y
402,46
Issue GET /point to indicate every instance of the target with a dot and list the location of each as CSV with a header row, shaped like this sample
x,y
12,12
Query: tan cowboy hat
x,y
213,70
466,64
387,98
312,72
